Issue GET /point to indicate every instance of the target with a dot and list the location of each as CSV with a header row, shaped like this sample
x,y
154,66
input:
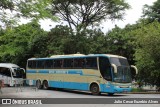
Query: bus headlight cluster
x,y
117,87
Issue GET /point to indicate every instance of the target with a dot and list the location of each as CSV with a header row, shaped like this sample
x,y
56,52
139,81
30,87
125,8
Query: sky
x,y
132,15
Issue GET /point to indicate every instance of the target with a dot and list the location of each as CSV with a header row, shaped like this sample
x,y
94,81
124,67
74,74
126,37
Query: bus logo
x,y
6,101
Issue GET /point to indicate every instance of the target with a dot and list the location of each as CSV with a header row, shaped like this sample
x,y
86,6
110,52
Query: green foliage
x,y
16,44
4,16
6,4
152,12
95,41
137,90
58,39
61,41
147,53
13,10
36,9
122,42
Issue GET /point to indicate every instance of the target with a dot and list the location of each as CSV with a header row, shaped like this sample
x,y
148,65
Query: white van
x,y
11,73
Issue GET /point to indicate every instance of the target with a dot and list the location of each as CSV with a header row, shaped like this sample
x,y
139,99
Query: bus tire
x,y
45,85
94,89
38,84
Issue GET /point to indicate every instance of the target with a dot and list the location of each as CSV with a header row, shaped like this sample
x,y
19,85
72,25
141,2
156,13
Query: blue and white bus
x,y
97,73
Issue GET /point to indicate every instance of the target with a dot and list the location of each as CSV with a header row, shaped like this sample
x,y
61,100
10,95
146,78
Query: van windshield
x,y
18,73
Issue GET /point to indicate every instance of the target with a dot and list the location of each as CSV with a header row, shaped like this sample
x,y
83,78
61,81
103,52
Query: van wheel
x,y
38,84
95,89
45,85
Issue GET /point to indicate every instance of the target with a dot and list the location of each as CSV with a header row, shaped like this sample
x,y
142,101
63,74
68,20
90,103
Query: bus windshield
x,y
119,61
123,74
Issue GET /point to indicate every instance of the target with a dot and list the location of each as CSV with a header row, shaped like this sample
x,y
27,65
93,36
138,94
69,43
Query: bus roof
x,y
8,65
78,56
117,56
54,56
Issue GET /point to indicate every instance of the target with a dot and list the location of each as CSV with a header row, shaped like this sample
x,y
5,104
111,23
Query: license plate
x,y
125,90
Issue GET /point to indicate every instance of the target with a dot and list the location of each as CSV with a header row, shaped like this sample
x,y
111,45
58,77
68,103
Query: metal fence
x,y
18,86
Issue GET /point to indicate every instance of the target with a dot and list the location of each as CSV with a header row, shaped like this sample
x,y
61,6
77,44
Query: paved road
x,y
30,92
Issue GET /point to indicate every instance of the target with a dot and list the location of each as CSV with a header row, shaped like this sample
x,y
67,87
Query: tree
x,y
12,10
96,42
18,44
6,4
61,41
152,12
83,13
147,54
122,42
35,9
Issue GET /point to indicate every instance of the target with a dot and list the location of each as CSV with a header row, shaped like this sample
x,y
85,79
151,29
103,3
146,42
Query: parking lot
x,y
31,92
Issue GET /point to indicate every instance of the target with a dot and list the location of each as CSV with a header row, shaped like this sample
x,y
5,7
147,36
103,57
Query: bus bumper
x,y
115,89
118,89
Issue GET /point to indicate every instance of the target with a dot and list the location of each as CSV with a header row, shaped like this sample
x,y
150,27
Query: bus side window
x,y
68,63
91,62
32,64
29,64
79,63
105,68
40,64
49,64
58,63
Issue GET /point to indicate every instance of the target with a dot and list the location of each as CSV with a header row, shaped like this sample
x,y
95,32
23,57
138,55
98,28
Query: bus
x,y
97,73
11,73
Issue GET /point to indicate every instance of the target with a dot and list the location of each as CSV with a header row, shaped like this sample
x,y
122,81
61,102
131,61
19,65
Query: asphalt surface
x,y
31,92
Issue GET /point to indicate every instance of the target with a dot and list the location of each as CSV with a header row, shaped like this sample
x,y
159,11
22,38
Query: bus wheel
x,y
45,85
38,84
95,89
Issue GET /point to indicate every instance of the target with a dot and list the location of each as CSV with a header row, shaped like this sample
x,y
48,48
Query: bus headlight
x,y
117,87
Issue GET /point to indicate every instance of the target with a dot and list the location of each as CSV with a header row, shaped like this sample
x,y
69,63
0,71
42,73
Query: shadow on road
x,y
85,92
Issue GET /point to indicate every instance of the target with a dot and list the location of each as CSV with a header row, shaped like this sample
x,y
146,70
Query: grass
x,y
137,90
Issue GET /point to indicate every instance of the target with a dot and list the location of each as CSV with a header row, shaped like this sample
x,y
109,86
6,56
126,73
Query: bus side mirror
x,y
23,70
114,68
135,68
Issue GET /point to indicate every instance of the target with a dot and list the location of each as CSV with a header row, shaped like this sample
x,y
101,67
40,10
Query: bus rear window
x,y
32,64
